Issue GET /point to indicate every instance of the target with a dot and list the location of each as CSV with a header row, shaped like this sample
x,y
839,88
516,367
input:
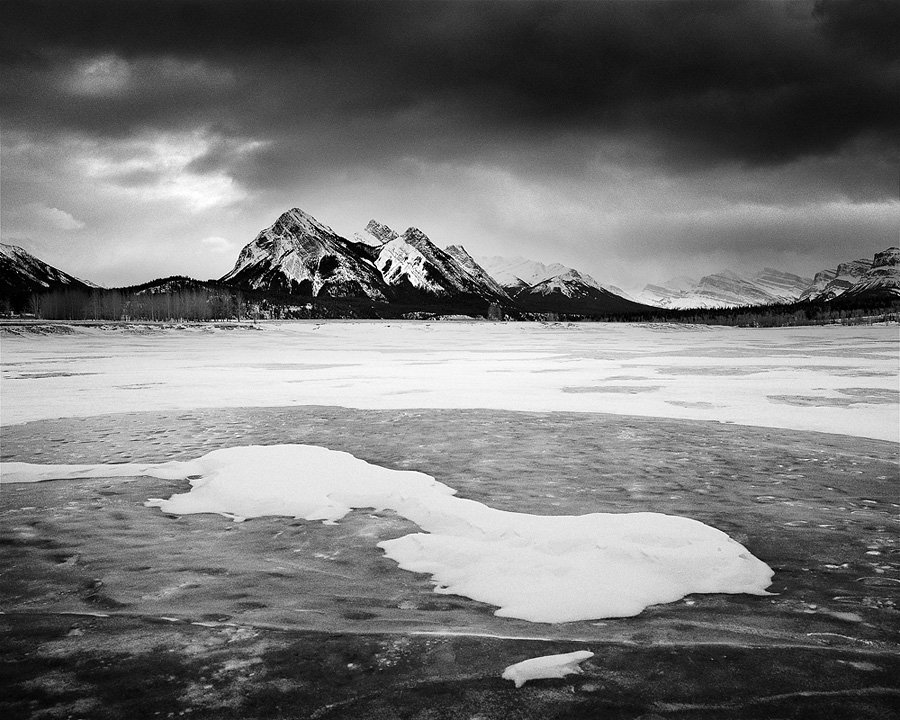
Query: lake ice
x,y
831,379
537,568
156,385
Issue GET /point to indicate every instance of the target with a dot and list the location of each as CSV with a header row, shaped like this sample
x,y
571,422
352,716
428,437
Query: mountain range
x,y
879,277
299,256
727,289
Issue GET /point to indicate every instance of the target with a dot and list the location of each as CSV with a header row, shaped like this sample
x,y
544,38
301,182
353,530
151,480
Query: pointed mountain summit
x,y
575,292
22,273
412,261
557,288
375,235
517,273
478,273
301,256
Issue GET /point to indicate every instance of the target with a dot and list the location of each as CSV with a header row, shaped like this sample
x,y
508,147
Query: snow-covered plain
x,y
832,379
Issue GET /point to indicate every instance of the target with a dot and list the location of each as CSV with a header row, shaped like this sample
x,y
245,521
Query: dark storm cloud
x,y
696,84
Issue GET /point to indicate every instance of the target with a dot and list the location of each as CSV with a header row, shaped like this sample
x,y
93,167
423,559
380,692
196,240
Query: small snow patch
x,y
546,666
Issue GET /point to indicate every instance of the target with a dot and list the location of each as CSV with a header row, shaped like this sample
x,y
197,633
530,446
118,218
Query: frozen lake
x,y
786,439
830,379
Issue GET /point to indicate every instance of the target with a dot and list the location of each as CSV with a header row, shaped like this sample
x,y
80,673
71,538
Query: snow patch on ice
x,y
546,666
538,568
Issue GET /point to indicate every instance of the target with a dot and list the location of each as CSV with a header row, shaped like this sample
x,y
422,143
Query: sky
x,y
635,141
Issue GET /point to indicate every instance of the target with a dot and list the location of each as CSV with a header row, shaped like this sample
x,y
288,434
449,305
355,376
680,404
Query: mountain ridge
x,y
23,274
299,257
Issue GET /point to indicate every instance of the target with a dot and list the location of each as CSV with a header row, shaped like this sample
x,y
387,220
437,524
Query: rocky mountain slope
x,y
727,289
298,255
829,284
881,280
556,288
478,273
411,259
518,274
856,278
575,292
21,272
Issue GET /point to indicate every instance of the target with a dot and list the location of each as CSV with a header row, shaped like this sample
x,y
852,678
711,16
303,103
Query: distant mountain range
x,y
556,288
727,289
298,256
862,278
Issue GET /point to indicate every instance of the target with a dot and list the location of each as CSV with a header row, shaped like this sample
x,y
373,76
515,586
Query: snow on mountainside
x,y
300,255
727,289
784,285
665,295
478,273
829,284
22,272
374,235
574,292
556,288
517,272
518,275
883,278
412,258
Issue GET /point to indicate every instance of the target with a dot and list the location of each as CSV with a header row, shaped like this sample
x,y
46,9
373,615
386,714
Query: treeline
x,y
180,298
186,304
185,299
786,315
195,301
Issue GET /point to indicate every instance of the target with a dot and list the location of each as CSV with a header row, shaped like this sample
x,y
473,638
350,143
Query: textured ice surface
x,y
832,379
536,568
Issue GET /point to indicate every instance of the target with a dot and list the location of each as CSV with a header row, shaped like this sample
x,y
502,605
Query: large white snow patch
x,y
533,567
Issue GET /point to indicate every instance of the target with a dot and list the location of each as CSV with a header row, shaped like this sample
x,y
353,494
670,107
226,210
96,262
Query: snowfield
x,y
831,379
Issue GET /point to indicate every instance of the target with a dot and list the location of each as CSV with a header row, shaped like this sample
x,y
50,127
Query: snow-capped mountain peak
x,y
478,273
20,271
375,235
556,287
298,254
882,278
413,259
517,273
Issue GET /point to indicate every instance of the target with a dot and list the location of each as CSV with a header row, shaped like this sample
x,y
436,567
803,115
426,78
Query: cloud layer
x,y
577,131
